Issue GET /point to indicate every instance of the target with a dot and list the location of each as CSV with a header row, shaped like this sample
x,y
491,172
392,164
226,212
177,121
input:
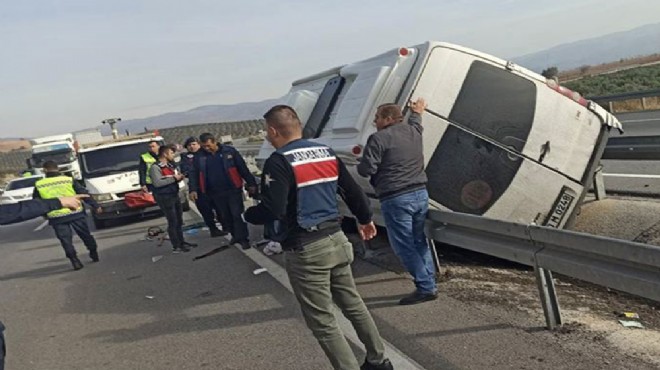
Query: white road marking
x,y
41,227
632,175
399,359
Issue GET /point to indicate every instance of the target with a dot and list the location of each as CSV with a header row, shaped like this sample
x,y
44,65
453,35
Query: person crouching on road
x,y
165,180
146,160
203,202
299,188
219,171
63,220
394,159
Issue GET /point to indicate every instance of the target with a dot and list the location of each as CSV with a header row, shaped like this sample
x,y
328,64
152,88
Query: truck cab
x,y
110,170
58,148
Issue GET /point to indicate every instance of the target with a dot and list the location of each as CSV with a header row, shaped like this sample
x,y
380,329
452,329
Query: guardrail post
x,y
434,254
548,297
599,184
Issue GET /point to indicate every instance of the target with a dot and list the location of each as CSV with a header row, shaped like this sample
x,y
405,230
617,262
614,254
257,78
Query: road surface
x,y
129,312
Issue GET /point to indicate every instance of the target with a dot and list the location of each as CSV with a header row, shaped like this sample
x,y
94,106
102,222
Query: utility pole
x,y
111,122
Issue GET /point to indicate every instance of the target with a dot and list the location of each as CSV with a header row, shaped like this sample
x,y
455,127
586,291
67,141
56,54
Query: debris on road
x,y
259,271
156,258
204,294
631,324
149,297
212,252
195,226
629,315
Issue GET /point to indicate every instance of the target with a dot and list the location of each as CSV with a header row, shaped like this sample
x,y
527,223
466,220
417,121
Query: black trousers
x,y
205,207
64,232
171,207
230,208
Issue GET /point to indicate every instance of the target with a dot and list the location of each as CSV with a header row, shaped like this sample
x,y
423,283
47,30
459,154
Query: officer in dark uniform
x,y
146,160
220,172
55,185
298,208
203,202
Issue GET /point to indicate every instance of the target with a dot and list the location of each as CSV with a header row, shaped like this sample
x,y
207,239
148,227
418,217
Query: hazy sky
x,y
68,64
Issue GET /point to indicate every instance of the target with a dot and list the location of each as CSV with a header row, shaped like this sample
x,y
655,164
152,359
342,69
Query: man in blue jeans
x,y
394,159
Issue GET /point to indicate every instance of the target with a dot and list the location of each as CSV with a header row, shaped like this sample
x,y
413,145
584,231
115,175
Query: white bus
x,y
499,140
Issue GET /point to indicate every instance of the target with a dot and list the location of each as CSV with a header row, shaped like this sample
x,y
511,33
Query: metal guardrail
x,y
626,96
626,266
633,148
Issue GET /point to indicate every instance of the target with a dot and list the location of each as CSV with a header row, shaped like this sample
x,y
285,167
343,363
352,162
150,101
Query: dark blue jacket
x,y
234,167
186,163
19,212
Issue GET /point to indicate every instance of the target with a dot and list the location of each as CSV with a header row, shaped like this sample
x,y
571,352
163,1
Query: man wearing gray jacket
x,y
165,179
394,159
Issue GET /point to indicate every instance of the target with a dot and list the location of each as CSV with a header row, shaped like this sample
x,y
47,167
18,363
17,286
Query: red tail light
x,y
403,52
357,150
575,96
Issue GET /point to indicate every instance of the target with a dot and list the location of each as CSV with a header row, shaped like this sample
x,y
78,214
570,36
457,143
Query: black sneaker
x,y
188,244
182,249
245,245
94,255
75,262
385,365
418,297
217,232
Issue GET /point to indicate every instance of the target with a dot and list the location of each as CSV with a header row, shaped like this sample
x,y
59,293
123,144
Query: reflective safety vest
x,y
149,160
316,171
55,187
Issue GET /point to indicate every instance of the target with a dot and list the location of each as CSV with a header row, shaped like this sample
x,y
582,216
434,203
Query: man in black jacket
x,y
220,171
203,202
299,209
394,159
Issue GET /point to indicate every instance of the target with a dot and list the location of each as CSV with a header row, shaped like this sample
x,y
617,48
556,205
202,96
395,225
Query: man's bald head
x,y
284,120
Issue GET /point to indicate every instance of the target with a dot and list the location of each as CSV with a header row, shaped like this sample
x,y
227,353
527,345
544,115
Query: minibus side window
x,y
321,112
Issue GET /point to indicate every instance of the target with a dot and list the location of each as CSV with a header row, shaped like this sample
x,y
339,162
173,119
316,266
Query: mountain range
x,y
643,40
639,41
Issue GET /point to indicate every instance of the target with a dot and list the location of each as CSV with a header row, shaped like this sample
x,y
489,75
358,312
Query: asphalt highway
x,y
143,307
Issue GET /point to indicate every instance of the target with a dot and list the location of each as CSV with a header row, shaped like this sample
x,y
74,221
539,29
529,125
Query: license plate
x,y
561,208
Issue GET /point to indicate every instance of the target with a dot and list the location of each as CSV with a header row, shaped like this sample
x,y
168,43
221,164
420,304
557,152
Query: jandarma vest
x,y
55,187
316,172
167,170
149,160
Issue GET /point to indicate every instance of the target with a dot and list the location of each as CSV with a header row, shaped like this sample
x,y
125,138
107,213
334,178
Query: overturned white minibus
x,y
499,140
